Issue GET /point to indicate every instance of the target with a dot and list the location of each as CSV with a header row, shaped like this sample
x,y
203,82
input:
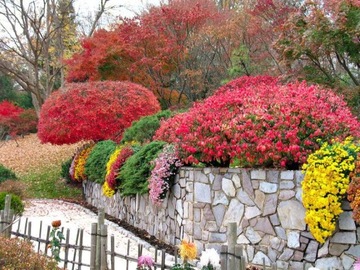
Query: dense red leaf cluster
x,y
175,50
93,111
256,121
15,120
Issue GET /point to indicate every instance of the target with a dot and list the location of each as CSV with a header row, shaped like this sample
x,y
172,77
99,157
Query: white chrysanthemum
x,y
210,256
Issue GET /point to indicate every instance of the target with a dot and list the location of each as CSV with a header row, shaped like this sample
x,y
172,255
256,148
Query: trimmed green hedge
x,y
6,174
135,172
143,130
95,167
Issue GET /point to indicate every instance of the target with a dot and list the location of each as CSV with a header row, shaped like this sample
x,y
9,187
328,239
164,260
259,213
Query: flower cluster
x,y
187,251
166,166
210,260
327,176
56,236
145,263
116,160
77,167
354,191
259,123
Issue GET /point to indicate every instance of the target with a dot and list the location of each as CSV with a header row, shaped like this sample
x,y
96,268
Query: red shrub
x,y
93,111
15,120
258,122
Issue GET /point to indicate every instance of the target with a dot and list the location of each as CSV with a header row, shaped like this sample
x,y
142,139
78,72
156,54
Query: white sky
x,y
126,8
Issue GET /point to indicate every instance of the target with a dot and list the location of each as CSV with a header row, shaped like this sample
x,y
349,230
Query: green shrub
x,y
144,129
95,167
6,174
65,169
16,253
19,188
135,172
16,203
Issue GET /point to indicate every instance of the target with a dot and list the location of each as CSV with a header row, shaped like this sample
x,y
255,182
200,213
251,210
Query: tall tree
x,y
32,43
321,42
180,49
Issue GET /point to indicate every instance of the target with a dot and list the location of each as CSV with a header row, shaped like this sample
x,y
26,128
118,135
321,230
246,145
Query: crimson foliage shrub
x,y
15,120
256,121
93,111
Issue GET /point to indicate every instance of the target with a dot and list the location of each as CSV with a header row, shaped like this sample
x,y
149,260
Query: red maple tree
x,y
93,111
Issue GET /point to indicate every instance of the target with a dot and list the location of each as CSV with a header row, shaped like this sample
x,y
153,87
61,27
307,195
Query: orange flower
x,y
187,250
56,223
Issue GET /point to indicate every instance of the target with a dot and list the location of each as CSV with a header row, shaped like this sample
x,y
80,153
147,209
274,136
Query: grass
x,y
48,184
39,167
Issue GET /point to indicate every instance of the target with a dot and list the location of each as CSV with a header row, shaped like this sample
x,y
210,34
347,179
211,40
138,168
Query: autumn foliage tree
x,y
180,50
256,121
93,111
15,120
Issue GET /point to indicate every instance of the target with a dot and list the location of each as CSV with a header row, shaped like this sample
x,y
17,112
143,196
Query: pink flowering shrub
x,y
166,166
255,121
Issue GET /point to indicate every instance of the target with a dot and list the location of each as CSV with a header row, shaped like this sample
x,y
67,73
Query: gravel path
x,y
76,217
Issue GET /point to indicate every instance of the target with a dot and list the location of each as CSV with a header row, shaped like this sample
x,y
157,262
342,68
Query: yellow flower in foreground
x,y
187,250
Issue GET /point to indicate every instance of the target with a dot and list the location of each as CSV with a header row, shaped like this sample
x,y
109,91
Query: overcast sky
x,y
127,8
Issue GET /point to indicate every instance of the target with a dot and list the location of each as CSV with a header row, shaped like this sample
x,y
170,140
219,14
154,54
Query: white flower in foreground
x,y
210,258
313,268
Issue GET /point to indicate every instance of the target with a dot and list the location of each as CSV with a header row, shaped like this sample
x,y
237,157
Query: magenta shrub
x,y
256,121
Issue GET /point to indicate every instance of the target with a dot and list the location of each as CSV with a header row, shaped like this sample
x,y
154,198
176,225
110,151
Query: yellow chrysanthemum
x,y
107,191
187,250
327,177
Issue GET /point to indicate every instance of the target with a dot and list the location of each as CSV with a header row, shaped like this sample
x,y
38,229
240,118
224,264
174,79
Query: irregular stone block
x,y
299,177
246,183
236,180
251,212
274,220
354,251
252,235
347,261
270,204
217,238
337,249
244,198
202,193
264,225
220,198
298,256
268,187
258,174
273,176
286,255
242,240
200,177
287,184
259,259
219,212
208,214
324,250
228,187
329,263
286,195
217,182
344,238
293,239
259,199
280,232
291,215
235,212
287,175
311,251
346,222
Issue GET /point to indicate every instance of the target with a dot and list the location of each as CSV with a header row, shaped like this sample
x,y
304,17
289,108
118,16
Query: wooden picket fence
x,y
76,255
98,256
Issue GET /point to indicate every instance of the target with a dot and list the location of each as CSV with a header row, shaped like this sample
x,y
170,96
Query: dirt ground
x,y
28,154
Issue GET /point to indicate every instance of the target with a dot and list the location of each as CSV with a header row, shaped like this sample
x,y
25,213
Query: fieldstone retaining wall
x,y
265,204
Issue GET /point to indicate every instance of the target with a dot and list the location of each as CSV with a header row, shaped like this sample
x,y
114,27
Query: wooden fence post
x,y
232,237
224,257
101,221
93,246
103,247
6,217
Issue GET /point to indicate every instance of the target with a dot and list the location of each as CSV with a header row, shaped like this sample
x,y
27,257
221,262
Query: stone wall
x,y
265,204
